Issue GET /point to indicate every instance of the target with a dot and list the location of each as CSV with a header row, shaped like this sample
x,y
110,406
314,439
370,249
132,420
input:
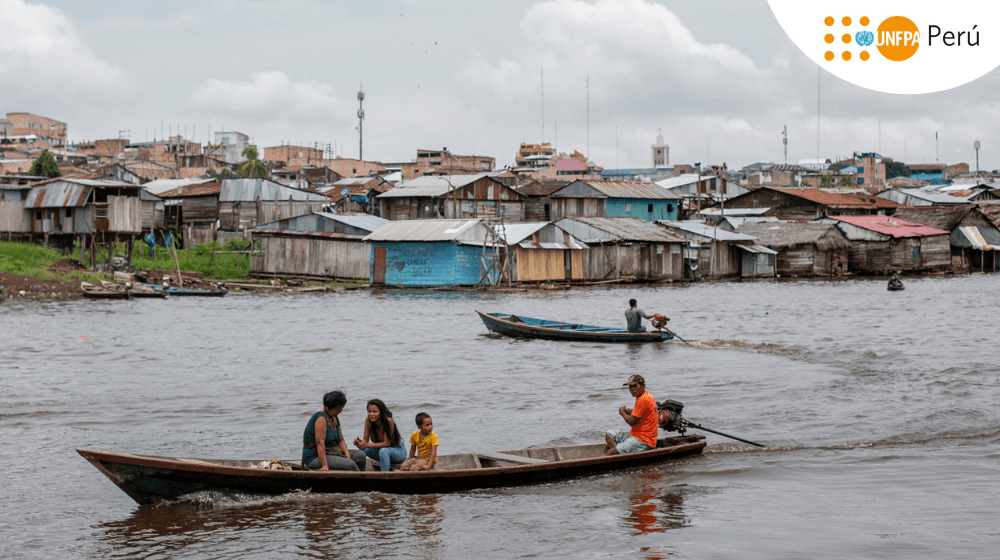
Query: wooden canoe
x,y
110,290
149,479
178,291
528,327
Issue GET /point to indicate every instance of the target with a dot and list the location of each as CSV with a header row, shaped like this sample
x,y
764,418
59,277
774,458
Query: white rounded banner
x,y
896,46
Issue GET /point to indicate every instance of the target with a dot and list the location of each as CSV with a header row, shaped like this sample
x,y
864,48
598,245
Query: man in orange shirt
x,y
642,417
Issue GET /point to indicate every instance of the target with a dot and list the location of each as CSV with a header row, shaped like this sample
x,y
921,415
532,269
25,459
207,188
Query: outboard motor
x,y
669,413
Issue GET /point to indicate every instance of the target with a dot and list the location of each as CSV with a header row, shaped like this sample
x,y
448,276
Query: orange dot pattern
x,y
847,38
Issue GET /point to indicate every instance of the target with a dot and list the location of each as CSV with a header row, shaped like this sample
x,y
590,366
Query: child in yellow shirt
x,y
425,441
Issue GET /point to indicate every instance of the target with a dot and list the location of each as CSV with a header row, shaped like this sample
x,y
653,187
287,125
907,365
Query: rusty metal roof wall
x,y
702,229
622,229
248,190
430,230
160,186
631,189
61,194
197,189
825,198
890,226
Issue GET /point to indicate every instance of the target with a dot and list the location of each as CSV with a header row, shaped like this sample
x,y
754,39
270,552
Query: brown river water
x,y
880,412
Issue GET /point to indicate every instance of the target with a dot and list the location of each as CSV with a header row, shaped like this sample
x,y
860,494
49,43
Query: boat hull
x,y
174,291
528,327
149,479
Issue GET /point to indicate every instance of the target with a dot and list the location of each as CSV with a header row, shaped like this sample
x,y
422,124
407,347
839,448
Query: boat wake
x,y
744,346
960,438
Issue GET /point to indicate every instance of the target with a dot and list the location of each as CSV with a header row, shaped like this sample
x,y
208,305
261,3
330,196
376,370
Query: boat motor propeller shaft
x,y
670,420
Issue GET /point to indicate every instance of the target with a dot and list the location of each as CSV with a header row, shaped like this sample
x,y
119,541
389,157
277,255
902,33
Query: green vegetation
x,y
45,166
198,259
29,259
252,167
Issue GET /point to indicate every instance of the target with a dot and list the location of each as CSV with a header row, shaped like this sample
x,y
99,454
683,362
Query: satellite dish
x,y
344,190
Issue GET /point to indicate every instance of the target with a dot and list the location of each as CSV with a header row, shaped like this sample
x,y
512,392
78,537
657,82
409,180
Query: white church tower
x,y
661,151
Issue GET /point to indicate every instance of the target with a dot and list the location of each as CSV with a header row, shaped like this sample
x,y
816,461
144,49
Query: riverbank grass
x,y
35,261
224,266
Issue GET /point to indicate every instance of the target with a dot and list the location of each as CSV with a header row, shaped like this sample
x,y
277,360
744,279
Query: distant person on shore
x,y
643,419
381,441
634,317
329,452
423,446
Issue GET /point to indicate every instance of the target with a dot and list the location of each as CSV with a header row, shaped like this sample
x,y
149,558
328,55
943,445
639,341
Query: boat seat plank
x,y
508,458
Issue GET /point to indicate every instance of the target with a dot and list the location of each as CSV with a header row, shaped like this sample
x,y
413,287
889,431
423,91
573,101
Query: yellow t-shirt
x,y
424,444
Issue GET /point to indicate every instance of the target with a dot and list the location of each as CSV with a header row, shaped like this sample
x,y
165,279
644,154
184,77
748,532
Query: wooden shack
x,y
615,199
244,203
722,252
316,245
542,252
537,199
804,249
882,245
191,207
452,197
626,249
975,240
807,204
15,220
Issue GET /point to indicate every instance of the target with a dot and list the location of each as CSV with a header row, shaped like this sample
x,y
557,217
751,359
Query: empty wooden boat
x,y
152,479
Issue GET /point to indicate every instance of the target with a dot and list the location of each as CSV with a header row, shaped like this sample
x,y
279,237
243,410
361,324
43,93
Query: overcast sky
x,y
719,77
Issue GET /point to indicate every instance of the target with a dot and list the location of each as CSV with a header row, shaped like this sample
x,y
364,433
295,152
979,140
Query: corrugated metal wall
x,y
431,264
124,214
639,208
573,207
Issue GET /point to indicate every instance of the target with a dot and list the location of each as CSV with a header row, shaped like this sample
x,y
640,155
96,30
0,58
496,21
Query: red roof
x,y
890,226
570,165
828,198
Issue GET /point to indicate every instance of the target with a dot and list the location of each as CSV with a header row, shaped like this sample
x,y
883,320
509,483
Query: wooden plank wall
x,y
310,256
124,214
13,217
869,257
540,265
573,207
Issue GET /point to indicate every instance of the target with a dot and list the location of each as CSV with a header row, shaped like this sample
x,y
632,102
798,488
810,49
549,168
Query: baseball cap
x,y
636,378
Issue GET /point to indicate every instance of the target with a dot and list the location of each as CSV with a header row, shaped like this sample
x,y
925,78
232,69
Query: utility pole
x,y
784,140
361,120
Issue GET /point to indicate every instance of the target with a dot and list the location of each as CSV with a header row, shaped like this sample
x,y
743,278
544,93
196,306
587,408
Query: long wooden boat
x,y
109,290
528,327
149,479
178,291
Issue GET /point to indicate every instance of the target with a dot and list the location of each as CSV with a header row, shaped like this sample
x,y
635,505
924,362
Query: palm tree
x,y
826,182
252,167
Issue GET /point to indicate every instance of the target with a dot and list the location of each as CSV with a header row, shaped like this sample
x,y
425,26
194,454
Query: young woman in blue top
x,y
382,441
329,452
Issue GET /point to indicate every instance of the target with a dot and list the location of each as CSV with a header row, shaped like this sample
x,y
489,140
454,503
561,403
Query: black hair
x,y
631,302
383,421
421,417
334,399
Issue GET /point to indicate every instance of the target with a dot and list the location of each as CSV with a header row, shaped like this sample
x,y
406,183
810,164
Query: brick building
x,y
48,131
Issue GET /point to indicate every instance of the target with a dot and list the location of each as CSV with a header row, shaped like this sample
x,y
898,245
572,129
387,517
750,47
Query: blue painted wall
x,y
430,263
662,209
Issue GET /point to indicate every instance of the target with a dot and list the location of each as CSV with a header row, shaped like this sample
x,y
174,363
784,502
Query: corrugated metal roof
x,y
248,190
889,226
431,186
729,212
679,181
632,189
353,181
429,230
360,221
826,198
197,189
570,245
620,229
757,249
979,238
516,233
61,194
570,165
160,186
704,230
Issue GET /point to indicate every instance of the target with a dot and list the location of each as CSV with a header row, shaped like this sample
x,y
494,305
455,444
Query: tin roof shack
x,y
803,249
709,191
191,206
721,252
803,205
317,245
356,194
627,248
244,203
430,253
15,219
538,199
542,252
975,241
612,199
882,245
451,197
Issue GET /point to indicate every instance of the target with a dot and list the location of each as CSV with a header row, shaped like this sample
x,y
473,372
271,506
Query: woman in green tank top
x,y
329,452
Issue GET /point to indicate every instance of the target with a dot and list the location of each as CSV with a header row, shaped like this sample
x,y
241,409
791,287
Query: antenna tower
x,y
361,120
784,133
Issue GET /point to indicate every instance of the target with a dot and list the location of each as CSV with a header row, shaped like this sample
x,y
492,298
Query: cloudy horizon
x,y
719,78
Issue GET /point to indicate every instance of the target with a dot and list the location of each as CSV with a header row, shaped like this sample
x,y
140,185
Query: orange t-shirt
x,y
647,429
